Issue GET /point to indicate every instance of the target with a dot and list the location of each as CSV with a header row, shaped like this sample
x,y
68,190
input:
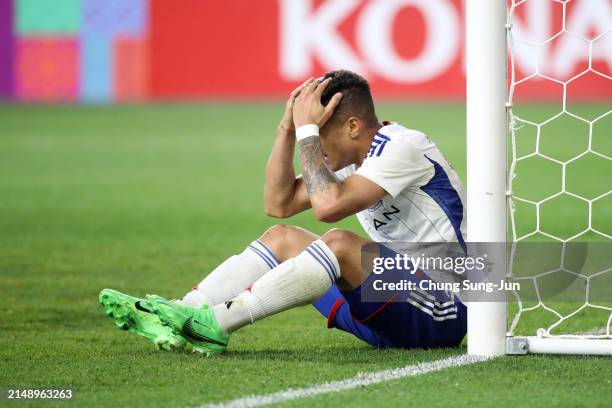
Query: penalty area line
x,y
360,380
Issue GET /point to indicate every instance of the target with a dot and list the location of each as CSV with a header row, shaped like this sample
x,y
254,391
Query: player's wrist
x,y
306,131
285,130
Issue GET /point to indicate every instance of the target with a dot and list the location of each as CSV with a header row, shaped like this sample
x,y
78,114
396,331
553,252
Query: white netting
x,y
533,59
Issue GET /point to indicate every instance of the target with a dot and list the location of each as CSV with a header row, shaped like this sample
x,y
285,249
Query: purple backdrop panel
x,y
6,48
116,17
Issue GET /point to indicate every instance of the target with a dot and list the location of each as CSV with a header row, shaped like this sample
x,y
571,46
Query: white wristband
x,y
305,131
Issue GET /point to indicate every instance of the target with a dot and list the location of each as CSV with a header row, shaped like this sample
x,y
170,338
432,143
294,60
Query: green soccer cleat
x,y
196,324
135,316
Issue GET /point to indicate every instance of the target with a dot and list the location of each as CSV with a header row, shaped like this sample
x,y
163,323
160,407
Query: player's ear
x,y
354,127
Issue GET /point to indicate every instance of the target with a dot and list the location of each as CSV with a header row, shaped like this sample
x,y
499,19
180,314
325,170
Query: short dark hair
x,y
356,97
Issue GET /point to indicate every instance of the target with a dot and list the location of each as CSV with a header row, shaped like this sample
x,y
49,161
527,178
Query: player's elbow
x,y
276,211
328,214
272,207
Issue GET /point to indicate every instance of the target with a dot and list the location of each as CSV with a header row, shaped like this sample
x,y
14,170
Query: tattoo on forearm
x,y
317,175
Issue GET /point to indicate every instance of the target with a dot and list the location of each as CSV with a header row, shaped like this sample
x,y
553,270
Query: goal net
x,y
559,180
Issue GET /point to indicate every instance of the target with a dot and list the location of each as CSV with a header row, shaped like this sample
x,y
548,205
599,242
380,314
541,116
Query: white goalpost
x,y
491,135
486,156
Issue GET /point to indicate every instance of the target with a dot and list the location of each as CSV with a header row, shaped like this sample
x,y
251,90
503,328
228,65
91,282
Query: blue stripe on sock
x,y
318,258
262,256
327,258
329,273
317,251
264,246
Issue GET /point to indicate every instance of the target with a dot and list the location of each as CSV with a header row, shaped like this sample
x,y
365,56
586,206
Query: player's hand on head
x,y
307,107
286,122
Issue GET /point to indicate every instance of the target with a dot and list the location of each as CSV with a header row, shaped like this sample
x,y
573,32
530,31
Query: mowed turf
x,y
148,199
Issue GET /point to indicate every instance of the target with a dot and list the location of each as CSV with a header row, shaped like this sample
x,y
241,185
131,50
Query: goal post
x,y
554,345
486,156
491,126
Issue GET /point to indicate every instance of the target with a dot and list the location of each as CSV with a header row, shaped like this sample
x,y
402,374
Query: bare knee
x,y
276,232
287,241
342,242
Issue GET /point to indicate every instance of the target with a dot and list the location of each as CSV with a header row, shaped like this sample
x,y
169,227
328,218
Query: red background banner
x,y
409,49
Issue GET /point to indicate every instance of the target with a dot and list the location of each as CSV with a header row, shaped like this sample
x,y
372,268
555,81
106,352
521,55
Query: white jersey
x,y
424,201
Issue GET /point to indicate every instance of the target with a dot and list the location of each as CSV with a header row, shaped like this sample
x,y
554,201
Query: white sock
x,y
233,276
295,282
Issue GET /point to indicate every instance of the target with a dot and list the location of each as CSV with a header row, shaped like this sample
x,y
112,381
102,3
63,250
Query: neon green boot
x,y
197,324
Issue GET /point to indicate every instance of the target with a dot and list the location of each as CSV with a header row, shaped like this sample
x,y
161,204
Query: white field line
x,y
360,380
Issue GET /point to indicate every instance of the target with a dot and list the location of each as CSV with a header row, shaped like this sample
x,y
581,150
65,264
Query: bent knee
x,y
287,241
278,231
341,241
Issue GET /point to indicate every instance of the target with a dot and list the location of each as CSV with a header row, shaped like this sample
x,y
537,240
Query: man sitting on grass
x,y
394,179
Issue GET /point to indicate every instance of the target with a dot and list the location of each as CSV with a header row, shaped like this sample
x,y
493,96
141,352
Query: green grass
x,y
147,199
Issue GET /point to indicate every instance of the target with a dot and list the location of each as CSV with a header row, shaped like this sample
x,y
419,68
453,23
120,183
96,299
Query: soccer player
x,y
393,178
